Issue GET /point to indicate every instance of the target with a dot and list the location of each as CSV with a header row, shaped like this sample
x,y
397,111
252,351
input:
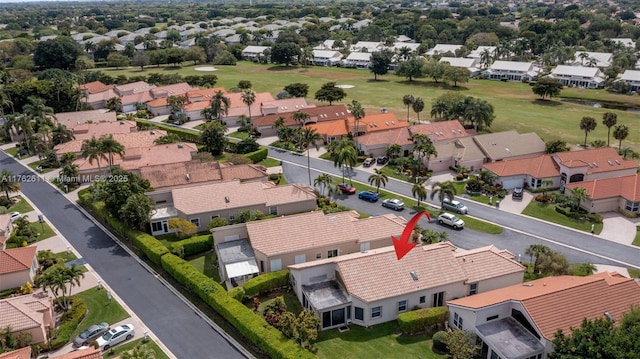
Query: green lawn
x,y
44,231
269,162
379,341
239,135
21,206
118,350
206,263
13,151
34,167
100,310
64,257
546,212
516,107
290,299
636,240
634,273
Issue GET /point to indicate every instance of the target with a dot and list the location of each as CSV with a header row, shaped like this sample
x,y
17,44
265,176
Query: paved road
x,y
185,333
520,231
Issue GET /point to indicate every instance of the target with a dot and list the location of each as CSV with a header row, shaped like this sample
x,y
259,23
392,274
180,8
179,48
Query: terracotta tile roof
x,y
100,96
627,187
317,230
24,312
238,108
95,87
136,97
205,94
72,119
331,129
559,302
126,139
316,114
16,259
197,106
442,130
603,159
87,130
538,167
398,136
286,104
89,353
502,145
22,353
377,122
188,200
175,174
171,90
160,102
135,87
464,148
480,263
137,157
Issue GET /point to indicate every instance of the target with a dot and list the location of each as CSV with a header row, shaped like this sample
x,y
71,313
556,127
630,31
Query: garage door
x,y
512,183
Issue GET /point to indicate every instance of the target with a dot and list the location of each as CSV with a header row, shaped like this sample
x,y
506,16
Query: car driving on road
x,y
393,203
368,196
451,220
454,206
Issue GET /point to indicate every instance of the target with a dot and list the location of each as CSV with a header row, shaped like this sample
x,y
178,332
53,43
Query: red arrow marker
x,y
403,245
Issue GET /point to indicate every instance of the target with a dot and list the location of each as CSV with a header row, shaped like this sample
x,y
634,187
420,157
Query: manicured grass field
x,y
122,348
516,107
547,212
100,310
34,167
290,299
636,240
205,263
239,135
379,341
269,162
13,151
44,231
21,206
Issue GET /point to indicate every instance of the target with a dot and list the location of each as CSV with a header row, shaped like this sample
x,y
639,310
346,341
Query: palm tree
x,y
444,190
92,149
578,194
485,58
407,100
300,117
609,119
629,153
393,151
139,352
8,182
378,178
220,106
323,181
358,113
61,134
345,158
114,104
419,192
110,147
537,251
620,132
24,126
309,136
248,98
587,124
57,278
583,56
439,109
418,106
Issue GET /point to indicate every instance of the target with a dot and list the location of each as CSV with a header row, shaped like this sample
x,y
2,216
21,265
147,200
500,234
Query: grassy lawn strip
x,y
636,240
379,341
21,206
43,229
206,263
269,162
65,257
290,299
239,135
13,151
34,167
634,273
118,350
100,309
547,212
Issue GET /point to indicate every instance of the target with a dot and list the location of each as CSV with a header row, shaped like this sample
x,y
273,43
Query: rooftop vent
x,y
226,199
152,132
187,177
610,163
595,164
414,275
618,162
122,122
527,284
393,122
590,165
386,123
180,145
610,317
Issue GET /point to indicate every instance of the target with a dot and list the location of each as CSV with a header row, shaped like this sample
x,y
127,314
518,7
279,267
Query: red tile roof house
x,y
73,119
88,353
22,353
520,321
32,314
200,204
334,130
611,194
372,286
265,124
160,104
562,168
96,94
134,93
237,108
5,229
85,131
17,267
126,138
279,242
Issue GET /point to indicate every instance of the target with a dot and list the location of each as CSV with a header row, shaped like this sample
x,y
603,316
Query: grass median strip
x,y
547,212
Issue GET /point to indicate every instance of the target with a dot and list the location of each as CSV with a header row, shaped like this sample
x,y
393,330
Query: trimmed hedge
x,y
69,322
266,283
237,293
439,341
253,327
258,155
194,245
185,135
149,245
419,320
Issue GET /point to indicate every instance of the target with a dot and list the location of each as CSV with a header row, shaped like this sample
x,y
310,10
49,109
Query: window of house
x,y
358,313
273,210
276,264
332,253
300,258
212,217
423,299
473,288
492,317
156,226
195,221
438,299
535,182
318,255
402,306
376,312
232,216
457,321
632,206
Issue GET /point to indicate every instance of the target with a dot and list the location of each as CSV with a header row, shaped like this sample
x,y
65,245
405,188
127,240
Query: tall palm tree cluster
x,y
470,111
103,148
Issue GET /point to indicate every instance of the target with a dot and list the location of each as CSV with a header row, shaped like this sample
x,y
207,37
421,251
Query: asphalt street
x,y
185,333
520,231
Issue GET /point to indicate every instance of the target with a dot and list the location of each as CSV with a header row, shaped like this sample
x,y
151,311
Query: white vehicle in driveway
x,y
451,220
115,336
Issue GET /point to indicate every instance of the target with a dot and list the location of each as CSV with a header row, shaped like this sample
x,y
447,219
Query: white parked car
x,y
451,220
15,216
115,336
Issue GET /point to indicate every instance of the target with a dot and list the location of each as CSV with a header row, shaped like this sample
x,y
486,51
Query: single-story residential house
x,y
359,60
372,286
578,76
442,130
310,236
591,59
326,57
525,172
17,267
442,49
87,130
284,105
631,77
520,321
470,64
512,71
266,124
611,194
625,41
22,353
126,138
325,45
335,130
184,174
253,52
88,353
225,199
99,100
72,119
477,53
5,229
237,108
367,46
31,314
94,87
375,144
461,151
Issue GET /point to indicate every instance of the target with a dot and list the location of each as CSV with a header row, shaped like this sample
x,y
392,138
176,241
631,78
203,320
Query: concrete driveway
x,y
515,206
618,228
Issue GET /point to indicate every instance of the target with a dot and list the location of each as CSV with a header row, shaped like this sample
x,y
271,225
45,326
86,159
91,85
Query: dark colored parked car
x,y
517,193
368,196
345,188
382,160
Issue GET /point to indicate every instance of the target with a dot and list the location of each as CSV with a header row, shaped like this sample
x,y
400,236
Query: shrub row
x,y
149,245
253,327
236,293
419,320
266,283
194,245
258,155
569,212
69,322
185,135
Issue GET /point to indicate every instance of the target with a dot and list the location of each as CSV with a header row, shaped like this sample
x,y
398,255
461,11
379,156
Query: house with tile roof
x,y
17,267
185,174
22,353
31,314
477,53
611,194
470,64
99,100
520,321
226,199
72,119
309,237
94,87
87,130
511,71
284,105
375,144
237,108
88,353
372,286
251,53
266,124
526,172
5,229
578,76
126,138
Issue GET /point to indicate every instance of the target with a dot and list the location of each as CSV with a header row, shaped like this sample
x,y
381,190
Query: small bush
x,y
69,323
266,283
149,245
237,293
420,320
258,155
194,245
439,340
